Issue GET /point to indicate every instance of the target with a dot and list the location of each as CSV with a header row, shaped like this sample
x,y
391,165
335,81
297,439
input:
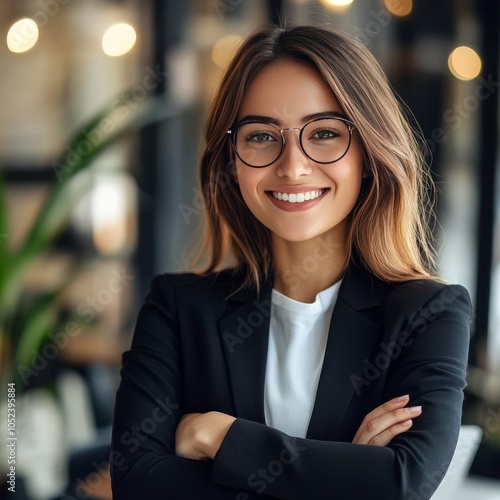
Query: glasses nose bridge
x,y
299,139
288,129
298,129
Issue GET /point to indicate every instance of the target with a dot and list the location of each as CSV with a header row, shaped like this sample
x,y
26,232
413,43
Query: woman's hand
x,y
199,435
386,421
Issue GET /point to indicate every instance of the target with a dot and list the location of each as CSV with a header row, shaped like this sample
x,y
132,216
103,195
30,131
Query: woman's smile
x,y
297,200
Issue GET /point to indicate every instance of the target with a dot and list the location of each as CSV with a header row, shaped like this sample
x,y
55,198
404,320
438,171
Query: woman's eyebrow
x,y
324,114
304,119
260,118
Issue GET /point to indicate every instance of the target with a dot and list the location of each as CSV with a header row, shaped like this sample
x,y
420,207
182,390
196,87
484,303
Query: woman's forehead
x,y
288,91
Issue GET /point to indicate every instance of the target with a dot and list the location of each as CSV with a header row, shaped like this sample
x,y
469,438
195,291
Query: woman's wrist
x,y
217,425
199,435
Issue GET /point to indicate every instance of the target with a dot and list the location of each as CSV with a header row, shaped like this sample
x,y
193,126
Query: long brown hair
x,y
389,230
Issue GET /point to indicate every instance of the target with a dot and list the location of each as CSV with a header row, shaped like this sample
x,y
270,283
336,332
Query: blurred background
x,y
101,114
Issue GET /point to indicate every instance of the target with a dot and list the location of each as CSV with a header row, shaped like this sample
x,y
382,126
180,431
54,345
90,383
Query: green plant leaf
x,y
97,135
39,317
42,318
3,224
122,115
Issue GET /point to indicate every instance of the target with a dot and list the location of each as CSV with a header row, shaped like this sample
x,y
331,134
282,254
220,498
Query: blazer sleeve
x,y
430,366
148,408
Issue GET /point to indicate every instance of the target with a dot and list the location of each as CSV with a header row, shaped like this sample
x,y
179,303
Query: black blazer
x,y
195,350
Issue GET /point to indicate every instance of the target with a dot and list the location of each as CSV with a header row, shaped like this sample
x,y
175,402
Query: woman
x,y
327,361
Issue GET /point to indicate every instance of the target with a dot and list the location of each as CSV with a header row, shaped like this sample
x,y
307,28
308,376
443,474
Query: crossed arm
x,y
200,435
162,451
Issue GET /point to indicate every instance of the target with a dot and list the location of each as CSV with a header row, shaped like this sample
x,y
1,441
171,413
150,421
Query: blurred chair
x,y
468,443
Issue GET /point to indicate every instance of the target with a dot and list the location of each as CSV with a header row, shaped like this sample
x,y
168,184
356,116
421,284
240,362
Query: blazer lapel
x,y
245,333
352,337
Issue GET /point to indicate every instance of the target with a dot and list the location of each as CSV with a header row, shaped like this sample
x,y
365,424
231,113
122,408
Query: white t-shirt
x,y
297,341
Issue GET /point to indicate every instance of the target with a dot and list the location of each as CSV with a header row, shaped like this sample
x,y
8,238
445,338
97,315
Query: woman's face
x,y
287,94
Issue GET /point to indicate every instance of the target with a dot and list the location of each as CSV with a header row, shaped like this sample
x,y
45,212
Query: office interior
x,y
102,104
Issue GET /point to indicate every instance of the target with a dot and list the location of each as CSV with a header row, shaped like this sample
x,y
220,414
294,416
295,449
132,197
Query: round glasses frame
x,y
233,132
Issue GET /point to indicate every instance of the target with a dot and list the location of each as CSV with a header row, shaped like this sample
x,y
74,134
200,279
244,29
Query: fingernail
x,y
401,398
406,423
414,409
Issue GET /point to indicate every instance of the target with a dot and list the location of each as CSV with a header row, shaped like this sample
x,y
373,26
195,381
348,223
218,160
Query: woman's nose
x,y
293,163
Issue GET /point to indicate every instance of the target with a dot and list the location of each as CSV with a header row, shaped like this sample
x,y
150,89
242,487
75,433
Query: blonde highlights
x,y
389,226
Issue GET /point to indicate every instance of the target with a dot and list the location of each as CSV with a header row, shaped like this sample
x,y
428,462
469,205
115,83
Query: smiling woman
x,y
330,355
319,160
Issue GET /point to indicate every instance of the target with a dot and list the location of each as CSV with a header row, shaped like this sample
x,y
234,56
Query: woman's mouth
x,y
298,197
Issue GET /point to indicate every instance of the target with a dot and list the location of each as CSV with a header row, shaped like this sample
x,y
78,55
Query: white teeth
x,y
298,197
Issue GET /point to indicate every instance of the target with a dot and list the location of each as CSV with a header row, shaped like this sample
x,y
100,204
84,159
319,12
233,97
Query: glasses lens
x,y
326,140
258,144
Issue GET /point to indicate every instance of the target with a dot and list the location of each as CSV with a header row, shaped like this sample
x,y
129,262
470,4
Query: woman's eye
x,y
325,134
260,137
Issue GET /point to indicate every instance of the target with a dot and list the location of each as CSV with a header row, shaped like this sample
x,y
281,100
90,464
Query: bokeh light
x,y
399,8
464,63
224,49
337,4
22,36
111,209
119,39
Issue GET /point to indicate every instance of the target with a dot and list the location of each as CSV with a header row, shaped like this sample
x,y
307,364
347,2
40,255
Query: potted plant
x,y
26,323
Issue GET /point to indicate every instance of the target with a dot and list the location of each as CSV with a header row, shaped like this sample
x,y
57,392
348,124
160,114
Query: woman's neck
x,y
303,269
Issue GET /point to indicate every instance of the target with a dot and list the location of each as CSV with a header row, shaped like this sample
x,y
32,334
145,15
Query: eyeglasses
x,y
323,140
